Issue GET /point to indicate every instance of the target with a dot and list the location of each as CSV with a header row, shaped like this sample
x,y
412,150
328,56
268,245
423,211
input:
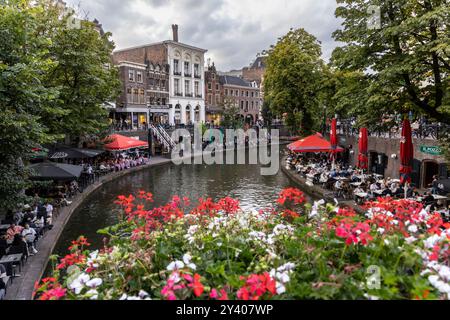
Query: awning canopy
x,y
121,143
55,171
314,143
64,152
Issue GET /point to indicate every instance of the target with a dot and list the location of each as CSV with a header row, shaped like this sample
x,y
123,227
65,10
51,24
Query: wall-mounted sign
x,y
433,150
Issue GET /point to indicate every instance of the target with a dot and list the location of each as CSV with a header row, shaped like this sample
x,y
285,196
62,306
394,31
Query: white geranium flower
x,y
410,240
381,230
79,283
187,258
413,228
280,288
94,283
143,294
93,294
175,265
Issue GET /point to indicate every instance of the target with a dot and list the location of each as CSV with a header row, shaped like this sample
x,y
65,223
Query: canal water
x,y
242,182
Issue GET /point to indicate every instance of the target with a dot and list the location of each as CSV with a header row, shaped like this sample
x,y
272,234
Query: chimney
x,y
175,32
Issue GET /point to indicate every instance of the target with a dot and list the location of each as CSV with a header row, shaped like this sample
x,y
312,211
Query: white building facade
x,y
187,83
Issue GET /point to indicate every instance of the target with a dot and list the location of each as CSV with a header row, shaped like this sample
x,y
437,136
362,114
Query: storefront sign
x,y
433,150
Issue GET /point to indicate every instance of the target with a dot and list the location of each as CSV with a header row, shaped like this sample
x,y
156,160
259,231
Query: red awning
x,y
314,143
120,143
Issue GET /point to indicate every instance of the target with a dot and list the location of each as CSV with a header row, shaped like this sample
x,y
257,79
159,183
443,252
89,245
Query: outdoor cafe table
x,y
341,178
356,184
9,260
361,195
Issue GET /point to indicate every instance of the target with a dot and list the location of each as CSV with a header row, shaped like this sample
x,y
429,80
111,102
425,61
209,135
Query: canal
x,y
242,182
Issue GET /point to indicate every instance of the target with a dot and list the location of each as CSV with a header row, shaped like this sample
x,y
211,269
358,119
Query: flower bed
x,y
298,251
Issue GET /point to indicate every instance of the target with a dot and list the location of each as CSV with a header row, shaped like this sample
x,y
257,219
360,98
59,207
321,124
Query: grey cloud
x,y
232,41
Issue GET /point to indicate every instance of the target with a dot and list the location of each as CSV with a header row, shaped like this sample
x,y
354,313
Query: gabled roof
x,y
234,81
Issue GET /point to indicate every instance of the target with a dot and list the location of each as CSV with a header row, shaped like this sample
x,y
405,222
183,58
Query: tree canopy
x,y
292,80
398,65
43,96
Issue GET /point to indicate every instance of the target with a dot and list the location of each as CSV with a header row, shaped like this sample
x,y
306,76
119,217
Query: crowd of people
x,y
350,183
22,229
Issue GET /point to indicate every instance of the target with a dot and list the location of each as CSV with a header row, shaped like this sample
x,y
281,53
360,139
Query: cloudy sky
x,y
233,31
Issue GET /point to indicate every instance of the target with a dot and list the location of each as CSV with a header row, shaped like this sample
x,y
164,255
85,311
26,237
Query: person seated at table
x,y
12,231
412,192
18,216
374,187
385,192
428,199
30,236
19,246
42,213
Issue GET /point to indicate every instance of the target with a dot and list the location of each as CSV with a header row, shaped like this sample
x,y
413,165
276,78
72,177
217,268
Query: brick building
x,y
221,89
173,82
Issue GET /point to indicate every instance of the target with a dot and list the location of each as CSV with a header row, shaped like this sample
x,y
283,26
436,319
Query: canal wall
x,y
22,287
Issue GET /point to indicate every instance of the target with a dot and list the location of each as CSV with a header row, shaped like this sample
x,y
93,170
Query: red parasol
x,y
406,153
120,142
333,137
314,143
363,160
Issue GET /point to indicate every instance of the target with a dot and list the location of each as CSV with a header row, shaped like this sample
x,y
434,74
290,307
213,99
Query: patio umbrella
x,y
363,160
121,143
333,139
55,171
314,143
406,153
64,152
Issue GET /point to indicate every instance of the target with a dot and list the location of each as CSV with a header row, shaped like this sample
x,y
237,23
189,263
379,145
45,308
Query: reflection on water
x,y
242,182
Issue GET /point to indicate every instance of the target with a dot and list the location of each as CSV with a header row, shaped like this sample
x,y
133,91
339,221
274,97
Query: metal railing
x,y
154,130
166,136
424,131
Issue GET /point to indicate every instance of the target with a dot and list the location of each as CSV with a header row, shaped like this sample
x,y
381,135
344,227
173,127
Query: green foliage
x,y
292,80
230,115
400,67
53,81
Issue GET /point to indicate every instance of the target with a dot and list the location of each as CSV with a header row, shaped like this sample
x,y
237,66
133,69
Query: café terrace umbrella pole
x,y
333,141
406,155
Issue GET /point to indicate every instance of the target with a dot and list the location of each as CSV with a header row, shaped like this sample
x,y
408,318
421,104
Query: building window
x,y
187,72
176,70
217,87
253,94
163,85
209,86
197,88
242,105
226,92
213,76
141,96
210,99
135,95
217,99
247,93
129,95
177,87
197,70
131,75
139,76
187,87
242,94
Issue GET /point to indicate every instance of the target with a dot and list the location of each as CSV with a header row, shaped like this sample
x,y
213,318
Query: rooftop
x,y
234,81
166,42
